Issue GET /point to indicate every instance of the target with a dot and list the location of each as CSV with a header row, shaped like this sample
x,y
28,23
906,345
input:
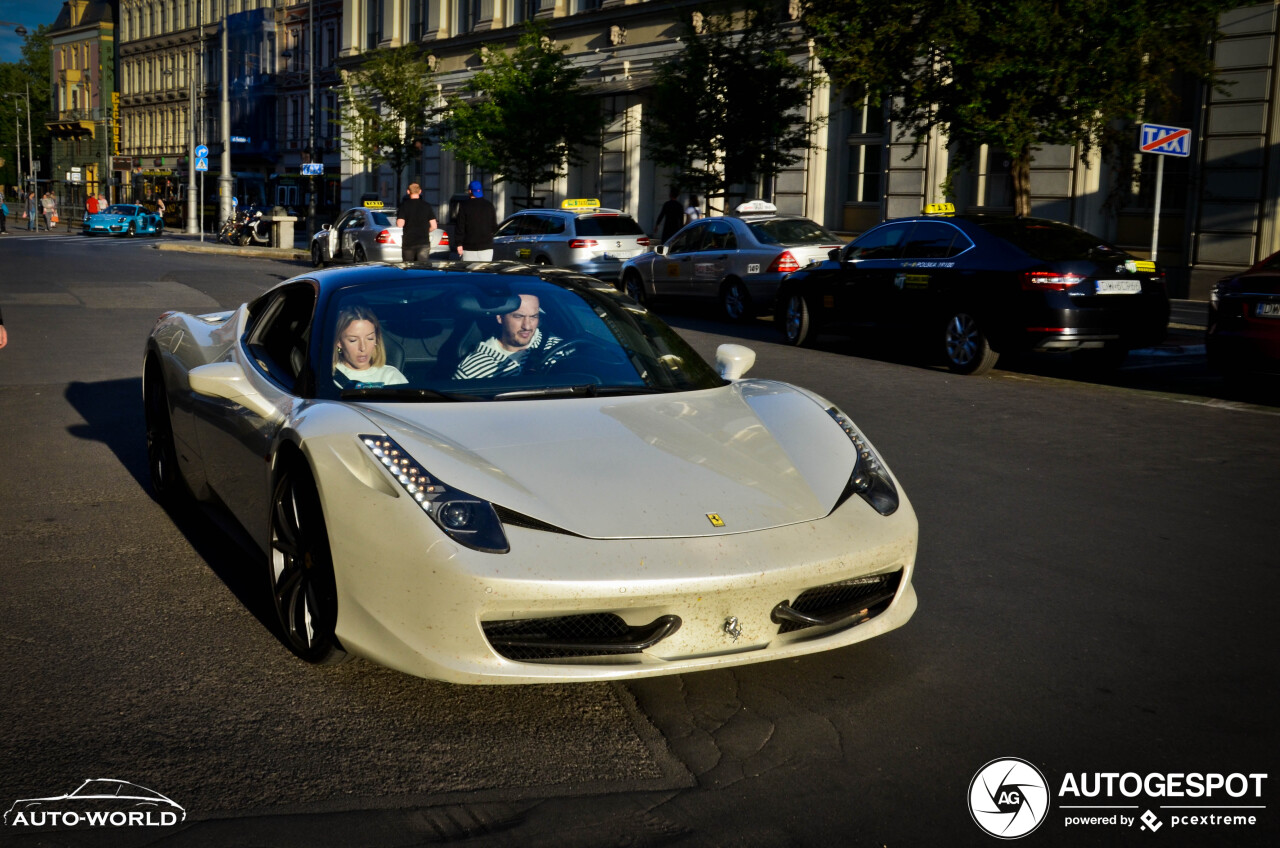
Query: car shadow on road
x,y
112,411
1177,367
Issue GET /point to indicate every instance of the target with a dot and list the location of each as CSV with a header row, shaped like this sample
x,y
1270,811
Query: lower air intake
x,y
572,636
849,601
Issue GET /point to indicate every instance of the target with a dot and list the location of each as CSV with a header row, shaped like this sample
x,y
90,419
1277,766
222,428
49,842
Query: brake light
x,y
583,244
385,237
784,264
643,241
1049,281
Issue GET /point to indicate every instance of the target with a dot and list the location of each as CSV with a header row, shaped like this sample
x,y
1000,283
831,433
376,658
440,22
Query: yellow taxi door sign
x,y
673,269
911,281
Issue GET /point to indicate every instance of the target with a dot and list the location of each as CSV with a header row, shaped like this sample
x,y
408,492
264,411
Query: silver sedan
x,y
739,260
364,234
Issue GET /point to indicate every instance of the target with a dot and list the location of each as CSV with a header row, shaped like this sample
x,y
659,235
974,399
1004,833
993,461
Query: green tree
x,y
386,107
1016,74
31,75
523,114
731,107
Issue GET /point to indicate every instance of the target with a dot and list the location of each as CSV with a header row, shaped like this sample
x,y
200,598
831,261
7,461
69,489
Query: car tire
x,y
735,301
317,257
795,320
965,346
244,240
159,229
358,255
162,453
634,286
133,229
542,260
300,568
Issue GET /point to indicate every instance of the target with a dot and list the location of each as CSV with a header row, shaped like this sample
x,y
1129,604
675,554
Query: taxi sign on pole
x,y
1170,141
312,169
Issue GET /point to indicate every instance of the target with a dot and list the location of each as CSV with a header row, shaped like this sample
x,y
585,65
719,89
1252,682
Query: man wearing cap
x,y
474,226
416,218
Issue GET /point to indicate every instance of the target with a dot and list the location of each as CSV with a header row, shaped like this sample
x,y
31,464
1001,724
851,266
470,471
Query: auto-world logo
x,y
98,803
1008,798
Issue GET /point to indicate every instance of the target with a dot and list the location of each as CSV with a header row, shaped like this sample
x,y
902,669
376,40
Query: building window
x,y
994,179
526,10
419,18
469,15
373,24
589,5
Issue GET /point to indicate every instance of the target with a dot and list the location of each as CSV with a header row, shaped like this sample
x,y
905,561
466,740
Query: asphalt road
x,y
1096,576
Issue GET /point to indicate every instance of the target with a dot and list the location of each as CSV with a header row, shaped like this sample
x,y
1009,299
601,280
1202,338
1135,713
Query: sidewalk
x,y
191,243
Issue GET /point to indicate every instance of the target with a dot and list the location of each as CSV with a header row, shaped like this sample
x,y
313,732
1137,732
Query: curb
x,y
284,253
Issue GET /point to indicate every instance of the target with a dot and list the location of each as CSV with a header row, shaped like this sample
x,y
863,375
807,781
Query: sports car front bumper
x,y
411,599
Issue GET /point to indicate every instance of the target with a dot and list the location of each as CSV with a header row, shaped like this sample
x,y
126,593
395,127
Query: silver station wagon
x,y
580,235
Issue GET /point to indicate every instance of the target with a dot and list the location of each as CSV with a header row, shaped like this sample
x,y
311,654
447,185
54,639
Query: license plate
x,y
1119,286
1267,310
620,254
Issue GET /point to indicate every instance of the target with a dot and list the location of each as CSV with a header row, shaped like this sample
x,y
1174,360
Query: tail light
x,y
1049,281
444,240
385,237
643,241
784,264
583,244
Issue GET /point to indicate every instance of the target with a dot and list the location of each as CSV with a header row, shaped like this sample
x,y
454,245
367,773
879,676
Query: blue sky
x,y
29,13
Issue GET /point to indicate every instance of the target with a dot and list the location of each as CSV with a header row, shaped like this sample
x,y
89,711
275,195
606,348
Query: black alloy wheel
x,y
965,346
162,452
635,288
133,229
735,300
300,568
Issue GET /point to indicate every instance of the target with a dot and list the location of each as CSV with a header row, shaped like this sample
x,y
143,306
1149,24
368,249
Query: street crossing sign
x,y
202,163
1170,141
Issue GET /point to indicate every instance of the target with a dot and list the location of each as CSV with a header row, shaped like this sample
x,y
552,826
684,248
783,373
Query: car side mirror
x,y
733,360
227,381
661,250
326,227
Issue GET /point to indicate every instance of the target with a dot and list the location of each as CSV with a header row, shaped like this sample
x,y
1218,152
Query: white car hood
x,y
755,454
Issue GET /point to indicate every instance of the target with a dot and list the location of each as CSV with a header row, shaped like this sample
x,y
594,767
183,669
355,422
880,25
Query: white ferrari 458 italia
x,y
495,473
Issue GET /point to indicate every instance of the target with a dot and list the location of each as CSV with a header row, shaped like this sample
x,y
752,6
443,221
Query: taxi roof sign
x,y
940,209
373,204
580,203
756,207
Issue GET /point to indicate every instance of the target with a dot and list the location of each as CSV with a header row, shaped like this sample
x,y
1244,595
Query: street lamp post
x,y
311,106
31,162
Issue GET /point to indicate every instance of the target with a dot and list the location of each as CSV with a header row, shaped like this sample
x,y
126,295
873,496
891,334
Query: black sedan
x,y
1244,321
973,287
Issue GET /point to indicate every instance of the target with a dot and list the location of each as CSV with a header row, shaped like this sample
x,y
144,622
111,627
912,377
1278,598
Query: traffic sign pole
x,y
1164,141
1155,225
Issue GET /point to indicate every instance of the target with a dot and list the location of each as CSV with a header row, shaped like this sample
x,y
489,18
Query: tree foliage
x,y
731,107
523,114
387,107
29,74
1016,74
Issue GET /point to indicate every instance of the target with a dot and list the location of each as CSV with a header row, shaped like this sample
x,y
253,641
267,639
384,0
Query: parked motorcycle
x,y
254,229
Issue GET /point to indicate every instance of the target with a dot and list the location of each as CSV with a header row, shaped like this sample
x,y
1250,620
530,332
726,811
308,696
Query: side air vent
x,y
566,636
850,601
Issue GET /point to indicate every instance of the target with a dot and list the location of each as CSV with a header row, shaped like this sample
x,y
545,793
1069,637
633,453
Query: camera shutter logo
x,y
1008,798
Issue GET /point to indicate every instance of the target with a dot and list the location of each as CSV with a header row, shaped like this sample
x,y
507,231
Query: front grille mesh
x,y
842,600
568,636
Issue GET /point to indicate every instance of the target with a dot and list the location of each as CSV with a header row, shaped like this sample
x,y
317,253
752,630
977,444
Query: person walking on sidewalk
x,y
475,225
416,218
32,212
4,216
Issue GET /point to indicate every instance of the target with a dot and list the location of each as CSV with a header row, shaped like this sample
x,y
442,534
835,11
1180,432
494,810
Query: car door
x,y
926,273
711,261
510,237
349,234
673,273
866,293
236,440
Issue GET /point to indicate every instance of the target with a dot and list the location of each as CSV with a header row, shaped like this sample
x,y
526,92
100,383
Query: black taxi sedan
x,y
972,287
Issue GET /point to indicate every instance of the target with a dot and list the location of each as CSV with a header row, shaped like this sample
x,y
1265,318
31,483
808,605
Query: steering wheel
x,y
571,347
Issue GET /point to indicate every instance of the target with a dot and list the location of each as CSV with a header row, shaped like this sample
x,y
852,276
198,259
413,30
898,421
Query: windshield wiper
x,y
403,394
584,390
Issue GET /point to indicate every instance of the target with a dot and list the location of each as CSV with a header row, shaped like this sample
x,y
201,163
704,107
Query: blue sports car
x,y
129,219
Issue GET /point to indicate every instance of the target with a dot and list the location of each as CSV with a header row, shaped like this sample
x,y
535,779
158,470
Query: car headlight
x,y
466,519
869,480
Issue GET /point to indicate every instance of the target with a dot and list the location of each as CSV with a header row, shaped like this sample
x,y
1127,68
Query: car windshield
x,y
1050,240
481,337
791,231
121,210
608,226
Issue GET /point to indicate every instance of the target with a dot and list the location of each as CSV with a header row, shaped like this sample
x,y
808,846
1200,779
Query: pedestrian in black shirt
x,y
475,225
416,218
671,217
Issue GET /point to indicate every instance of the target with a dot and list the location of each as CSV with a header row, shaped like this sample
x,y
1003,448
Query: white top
x,y
691,214
372,378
